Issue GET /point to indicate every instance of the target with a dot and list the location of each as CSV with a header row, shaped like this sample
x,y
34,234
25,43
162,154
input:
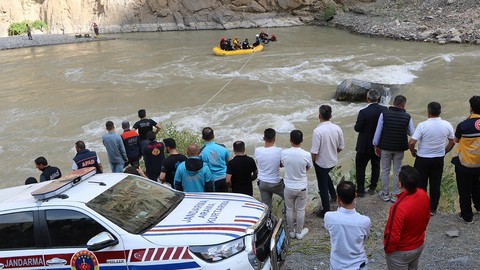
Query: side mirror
x,y
101,241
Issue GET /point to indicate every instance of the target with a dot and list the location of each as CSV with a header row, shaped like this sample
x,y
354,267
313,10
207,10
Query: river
x,y
55,95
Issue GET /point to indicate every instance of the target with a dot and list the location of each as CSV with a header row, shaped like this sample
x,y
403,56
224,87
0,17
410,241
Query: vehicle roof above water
x,y
21,197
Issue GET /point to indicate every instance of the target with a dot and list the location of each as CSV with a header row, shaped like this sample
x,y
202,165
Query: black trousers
x,y
469,191
325,186
221,185
361,161
431,171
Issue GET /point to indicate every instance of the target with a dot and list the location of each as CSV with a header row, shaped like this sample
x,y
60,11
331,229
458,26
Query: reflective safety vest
x,y
468,149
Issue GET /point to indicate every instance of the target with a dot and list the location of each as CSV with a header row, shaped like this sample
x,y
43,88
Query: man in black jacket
x,y
391,141
48,172
365,126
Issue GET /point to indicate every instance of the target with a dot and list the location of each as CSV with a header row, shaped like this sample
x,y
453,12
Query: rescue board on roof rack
x,y
57,186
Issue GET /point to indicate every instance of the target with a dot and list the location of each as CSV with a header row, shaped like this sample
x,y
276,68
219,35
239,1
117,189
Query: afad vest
x,y
395,128
468,149
86,158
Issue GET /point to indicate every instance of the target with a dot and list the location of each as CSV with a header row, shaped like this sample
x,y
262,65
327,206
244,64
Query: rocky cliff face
x,y
77,16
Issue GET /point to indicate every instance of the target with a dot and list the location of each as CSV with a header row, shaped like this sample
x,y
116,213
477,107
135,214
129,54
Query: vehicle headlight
x,y
219,252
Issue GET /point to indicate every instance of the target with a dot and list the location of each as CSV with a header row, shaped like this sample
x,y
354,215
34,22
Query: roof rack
x,y
58,186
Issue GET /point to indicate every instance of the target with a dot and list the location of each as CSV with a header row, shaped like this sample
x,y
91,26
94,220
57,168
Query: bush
x,y
16,29
21,27
183,138
41,25
329,12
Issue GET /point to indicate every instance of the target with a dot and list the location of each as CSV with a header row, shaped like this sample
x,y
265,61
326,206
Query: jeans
x,y
386,159
295,201
323,181
431,170
361,161
116,167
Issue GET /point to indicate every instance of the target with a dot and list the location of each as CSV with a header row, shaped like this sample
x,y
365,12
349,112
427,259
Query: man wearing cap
x,y
131,141
115,148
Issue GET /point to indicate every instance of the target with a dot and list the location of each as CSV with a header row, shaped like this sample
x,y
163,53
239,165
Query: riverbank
x,y
440,250
437,21
22,41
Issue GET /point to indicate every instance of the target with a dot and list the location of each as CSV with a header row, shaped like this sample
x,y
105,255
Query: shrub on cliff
x,y
329,12
21,27
183,138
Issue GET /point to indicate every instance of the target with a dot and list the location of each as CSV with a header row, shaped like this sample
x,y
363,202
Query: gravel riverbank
x,y
440,250
437,21
22,41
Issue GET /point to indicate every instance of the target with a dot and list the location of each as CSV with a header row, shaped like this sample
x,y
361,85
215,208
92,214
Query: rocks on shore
x,y
438,21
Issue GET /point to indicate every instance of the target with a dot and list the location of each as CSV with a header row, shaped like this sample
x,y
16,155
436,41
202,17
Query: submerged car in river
x,y
122,221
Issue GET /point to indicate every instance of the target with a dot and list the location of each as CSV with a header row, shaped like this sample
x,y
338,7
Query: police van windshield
x,y
136,204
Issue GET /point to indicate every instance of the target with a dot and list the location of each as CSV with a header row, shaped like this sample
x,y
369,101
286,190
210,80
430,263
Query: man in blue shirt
x,y
216,157
115,148
193,175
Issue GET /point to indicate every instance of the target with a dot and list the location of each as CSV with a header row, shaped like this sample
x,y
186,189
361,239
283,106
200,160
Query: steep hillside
x,y
74,16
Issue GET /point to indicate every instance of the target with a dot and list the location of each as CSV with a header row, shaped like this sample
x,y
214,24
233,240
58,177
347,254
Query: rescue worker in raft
x,y
229,47
264,37
257,41
223,43
245,44
236,44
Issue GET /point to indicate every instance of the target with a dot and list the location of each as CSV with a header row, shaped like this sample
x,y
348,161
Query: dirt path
x,y
440,252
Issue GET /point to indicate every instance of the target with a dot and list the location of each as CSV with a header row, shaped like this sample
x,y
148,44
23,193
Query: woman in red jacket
x,y
407,222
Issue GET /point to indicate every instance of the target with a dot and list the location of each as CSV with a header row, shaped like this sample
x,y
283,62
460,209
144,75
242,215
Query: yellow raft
x,y
218,51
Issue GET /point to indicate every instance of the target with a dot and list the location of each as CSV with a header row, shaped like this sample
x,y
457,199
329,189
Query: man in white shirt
x,y
268,159
432,136
296,162
348,231
327,142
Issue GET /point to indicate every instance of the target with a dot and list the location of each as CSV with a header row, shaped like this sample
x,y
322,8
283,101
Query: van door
x,y
18,247
68,232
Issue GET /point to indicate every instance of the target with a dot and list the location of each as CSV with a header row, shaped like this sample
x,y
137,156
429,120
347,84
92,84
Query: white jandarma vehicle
x,y
120,221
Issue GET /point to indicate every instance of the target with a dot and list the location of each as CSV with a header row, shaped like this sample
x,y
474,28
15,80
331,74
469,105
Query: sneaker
x,y
360,194
394,198
302,234
433,213
292,234
371,191
466,221
384,197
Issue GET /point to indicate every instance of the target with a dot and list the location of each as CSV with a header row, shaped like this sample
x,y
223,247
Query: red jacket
x,y
407,222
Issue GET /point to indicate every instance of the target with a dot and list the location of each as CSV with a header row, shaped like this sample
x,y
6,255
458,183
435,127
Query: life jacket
x,y
468,149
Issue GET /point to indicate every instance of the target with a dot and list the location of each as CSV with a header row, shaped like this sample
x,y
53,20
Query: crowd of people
x,y
382,140
229,45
